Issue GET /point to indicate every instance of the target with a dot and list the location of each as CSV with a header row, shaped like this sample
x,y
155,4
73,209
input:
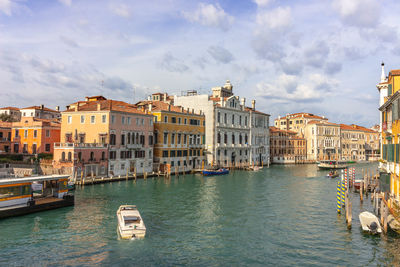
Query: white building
x,y
12,111
235,134
41,112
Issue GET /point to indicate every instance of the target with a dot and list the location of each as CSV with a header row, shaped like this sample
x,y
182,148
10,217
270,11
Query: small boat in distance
x,y
130,223
369,223
332,164
332,174
254,168
215,172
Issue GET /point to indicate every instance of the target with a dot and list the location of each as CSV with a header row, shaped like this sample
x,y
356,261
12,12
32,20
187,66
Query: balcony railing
x,y
80,145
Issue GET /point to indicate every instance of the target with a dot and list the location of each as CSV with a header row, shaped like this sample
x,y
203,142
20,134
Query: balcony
x,y
387,126
134,146
4,140
81,145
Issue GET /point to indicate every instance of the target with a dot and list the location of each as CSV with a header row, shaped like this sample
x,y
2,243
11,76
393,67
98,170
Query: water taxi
x,y
19,196
332,164
130,223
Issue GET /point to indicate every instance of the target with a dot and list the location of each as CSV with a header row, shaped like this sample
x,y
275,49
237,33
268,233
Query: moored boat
x,y
369,223
332,164
357,184
130,222
215,172
332,174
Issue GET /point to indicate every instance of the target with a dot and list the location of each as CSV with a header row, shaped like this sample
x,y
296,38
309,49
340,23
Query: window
x,y
25,133
233,119
112,118
113,154
47,133
92,119
112,139
165,119
172,153
137,121
103,118
179,139
179,120
142,120
82,119
165,138
47,147
63,156
123,120
225,118
245,121
185,121
69,119
225,138
69,156
219,117
34,133
34,148
122,139
128,120
16,133
219,138
150,140
173,120
233,138
173,138
165,153
184,138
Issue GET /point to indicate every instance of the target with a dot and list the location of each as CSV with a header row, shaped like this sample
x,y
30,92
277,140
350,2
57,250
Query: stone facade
x,y
287,147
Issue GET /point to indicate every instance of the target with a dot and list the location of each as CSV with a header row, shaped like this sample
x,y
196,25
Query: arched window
x,y
233,138
69,156
79,155
103,155
219,138
63,156
225,138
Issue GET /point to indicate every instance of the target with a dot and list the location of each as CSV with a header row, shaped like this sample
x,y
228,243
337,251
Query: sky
x,y
317,56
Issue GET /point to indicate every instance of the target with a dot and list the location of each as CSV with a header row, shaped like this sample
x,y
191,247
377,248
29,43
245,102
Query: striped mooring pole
x,y
338,197
343,189
345,178
354,175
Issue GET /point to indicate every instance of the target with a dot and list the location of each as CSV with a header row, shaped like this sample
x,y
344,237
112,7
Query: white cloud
x,y
210,15
121,10
172,64
262,3
275,19
359,13
65,2
291,88
5,7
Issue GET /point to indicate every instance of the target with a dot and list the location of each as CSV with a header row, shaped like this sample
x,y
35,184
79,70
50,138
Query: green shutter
x,y
384,150
397,153
389,89
391,153
394,111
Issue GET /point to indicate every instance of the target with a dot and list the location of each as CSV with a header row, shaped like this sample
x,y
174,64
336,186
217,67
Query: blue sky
x,y
318,56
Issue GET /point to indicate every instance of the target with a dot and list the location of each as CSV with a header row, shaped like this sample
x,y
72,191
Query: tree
x,y
6,117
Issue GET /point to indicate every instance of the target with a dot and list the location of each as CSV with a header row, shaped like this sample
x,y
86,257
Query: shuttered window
x,y
389,89
394,111
384,149
397,153
391,153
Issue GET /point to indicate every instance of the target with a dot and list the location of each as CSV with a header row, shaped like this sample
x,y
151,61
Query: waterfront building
x,y
389,89
372,143
179,135
32,135
323,140
5,137
259,137
11,111
81,159
126,130
41,112
228,127
287,147
352,143
297,121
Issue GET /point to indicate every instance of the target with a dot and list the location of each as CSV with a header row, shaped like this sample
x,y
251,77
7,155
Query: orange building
x,y
5,137
33,135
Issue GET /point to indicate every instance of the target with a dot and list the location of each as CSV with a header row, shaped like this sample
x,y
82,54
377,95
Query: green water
x,y
280,216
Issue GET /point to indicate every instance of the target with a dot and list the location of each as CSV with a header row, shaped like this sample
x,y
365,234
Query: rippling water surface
x,y
284,215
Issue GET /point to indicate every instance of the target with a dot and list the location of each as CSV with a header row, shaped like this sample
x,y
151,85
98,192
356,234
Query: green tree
x,y
6,117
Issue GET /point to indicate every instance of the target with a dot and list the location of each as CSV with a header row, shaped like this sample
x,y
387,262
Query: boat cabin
x,y
22,192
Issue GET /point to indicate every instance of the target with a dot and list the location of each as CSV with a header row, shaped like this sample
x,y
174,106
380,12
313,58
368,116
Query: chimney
x,y
169,107
41,106
150,107
253,104
98,106
164,97
86,98
182,109
76,108
243,101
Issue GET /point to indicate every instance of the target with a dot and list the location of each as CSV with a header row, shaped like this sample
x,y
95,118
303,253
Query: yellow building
x,y
389,88
179,136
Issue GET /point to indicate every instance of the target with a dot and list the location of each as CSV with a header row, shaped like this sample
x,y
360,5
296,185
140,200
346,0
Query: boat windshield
x,y
129,208
131,219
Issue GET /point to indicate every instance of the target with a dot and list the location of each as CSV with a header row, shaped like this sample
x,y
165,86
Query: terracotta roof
x,y
5,124
394,72
275,129
11,108
354,127
39,108
256,111
305,115
113,105
162,106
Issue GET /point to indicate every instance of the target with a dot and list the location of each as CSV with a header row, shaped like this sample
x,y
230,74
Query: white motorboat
x,y
332,164
130,223
369,223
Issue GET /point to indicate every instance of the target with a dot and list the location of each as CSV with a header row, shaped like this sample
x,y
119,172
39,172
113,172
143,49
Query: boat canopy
x,y
32,179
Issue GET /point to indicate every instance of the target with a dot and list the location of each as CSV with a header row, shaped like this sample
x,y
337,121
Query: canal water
x,y
283,216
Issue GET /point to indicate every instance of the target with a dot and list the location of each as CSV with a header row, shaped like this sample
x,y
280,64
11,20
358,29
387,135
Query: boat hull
x,y
130,223
366,219
209,173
